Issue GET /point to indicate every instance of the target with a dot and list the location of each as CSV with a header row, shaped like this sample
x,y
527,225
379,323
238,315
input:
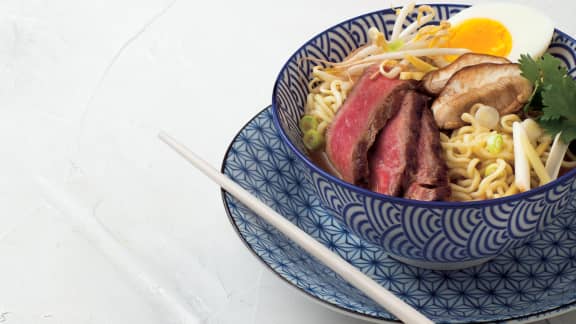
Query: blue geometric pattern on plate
x,y
447,235
533,281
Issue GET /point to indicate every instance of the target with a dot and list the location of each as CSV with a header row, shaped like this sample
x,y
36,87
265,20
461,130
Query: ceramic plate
x,y
534,281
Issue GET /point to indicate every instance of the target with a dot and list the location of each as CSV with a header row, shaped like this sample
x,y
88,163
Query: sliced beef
x,y
435,81
430,180
355,126
498,85
392,157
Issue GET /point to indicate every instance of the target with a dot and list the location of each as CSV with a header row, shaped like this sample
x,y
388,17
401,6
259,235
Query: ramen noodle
x,y
480,169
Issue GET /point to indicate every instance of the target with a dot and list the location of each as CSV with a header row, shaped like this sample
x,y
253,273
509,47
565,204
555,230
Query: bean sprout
x,y
411,52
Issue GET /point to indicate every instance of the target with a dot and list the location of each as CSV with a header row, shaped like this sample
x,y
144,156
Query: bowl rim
x,y
399,200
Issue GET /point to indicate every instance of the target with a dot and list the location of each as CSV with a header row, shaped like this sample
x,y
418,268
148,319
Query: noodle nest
x,y
476,170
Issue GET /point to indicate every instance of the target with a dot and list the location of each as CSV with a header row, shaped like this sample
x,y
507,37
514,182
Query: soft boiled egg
x,y
502,29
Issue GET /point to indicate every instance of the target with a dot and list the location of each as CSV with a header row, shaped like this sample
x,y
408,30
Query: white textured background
x,y
84,88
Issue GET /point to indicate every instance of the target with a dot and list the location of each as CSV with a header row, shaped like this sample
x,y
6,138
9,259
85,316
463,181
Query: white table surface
x,y
84,88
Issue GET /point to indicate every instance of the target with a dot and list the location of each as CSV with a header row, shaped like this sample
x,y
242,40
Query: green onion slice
x,y
494,143
313,140
308,123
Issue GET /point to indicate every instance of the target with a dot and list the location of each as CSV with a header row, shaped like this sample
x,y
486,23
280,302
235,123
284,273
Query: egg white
x,y
531,31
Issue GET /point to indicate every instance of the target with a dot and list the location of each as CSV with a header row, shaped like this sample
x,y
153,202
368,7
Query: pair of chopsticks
x,y
376,292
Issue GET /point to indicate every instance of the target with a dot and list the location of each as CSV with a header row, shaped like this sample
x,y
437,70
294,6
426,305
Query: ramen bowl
x,y
435,235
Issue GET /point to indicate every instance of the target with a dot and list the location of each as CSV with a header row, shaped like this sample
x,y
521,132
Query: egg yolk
x,y
481,35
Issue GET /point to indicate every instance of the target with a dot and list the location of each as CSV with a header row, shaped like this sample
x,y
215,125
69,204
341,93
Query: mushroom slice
x,y
435,81
498,85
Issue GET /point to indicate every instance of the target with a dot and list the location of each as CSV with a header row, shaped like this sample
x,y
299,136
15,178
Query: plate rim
x,y
542,315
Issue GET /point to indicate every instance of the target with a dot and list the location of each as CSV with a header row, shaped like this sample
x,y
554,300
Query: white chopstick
x,y
379,294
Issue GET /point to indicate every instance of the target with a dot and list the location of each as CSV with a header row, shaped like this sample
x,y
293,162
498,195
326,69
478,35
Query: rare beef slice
x,y
430,179
393,156
356,124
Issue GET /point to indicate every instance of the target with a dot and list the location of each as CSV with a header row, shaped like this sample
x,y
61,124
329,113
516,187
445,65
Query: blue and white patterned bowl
x,y
439,235
533,281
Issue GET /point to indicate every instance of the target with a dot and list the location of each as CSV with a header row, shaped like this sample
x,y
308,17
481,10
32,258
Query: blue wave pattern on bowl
x,y
445,235
534,280
448,236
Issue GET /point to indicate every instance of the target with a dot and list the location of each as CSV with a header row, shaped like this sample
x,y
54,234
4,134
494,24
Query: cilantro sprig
x,y
554,96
